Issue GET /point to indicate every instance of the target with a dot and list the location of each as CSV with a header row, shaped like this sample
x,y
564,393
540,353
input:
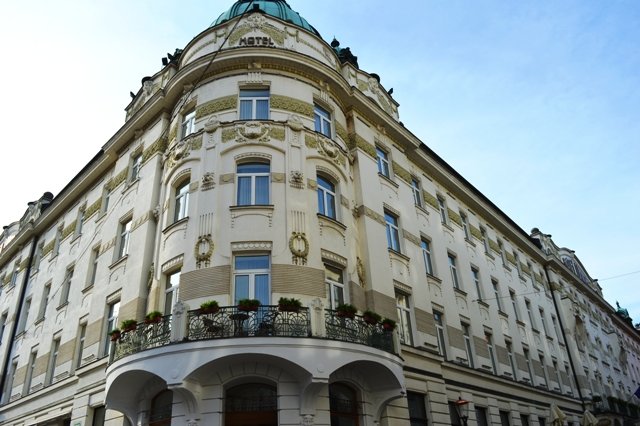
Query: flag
x,y
637,393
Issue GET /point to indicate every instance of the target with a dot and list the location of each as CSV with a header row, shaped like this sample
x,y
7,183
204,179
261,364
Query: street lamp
x,y
462,407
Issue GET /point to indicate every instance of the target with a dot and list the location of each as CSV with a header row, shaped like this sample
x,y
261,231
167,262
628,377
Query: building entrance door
x,y
251,404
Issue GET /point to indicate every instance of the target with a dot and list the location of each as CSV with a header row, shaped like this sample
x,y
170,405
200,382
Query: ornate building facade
x,y
262,163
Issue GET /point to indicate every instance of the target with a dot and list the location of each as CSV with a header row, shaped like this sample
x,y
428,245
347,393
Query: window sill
x,y
535,330
433,278
53,257
422,209
123,259
76,238
252,207
175,224
504,265
395,253
483,303
62,305
332,221
101,215
447,226
489,255
388,180
468,241
39,320
460,292
503,314
521,323
550,338
87,288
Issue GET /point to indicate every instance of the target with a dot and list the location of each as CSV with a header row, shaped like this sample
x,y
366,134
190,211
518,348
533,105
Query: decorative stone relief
x,y
177,153
296,179
208,181
212,124
307,420
299,246
295,123
251,245
203,250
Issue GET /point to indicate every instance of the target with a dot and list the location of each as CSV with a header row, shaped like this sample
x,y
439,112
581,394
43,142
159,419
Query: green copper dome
x,y
276,8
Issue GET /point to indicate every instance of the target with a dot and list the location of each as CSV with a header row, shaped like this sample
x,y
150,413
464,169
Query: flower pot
x,y
115,337
370,320
388,327
248,308
154,320
210,310
288,308
343,314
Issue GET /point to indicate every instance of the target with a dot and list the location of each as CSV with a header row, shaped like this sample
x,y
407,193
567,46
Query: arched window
x,y
161,404
326,197
253,184
343,403
251,404
181,207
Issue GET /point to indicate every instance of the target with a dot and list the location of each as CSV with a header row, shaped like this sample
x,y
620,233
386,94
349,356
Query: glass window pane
x,y
321,207
244,191
252,262
333,274
262,109
245,109
318,124
242,287
253,168
331,206
338,295
259,93
262,190
262,288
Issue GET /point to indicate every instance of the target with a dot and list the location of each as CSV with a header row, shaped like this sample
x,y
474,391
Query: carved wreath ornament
x,y
299,246
203,249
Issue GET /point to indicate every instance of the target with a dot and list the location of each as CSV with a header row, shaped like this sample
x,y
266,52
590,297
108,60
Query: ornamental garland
x,y
202,256
299,254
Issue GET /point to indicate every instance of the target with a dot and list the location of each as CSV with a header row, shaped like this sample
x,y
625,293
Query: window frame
x,y
416,190
443,209
438,319
44,300
466,334
181,200
28,379
135,166
383,161
488,337
512,363
65,288
403,310
188,124
111,323
392,228
251,273
328,195
453,270
322,120
475,276
417,413
465,226
496,291
333,285
171,290
254,99
53,358
124,238
253,179
425,246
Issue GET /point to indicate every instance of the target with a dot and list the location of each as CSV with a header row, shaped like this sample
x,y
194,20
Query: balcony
x,y
267,321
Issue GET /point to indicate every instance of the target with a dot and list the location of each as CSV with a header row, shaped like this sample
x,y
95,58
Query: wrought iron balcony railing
x,y
230,321
144,336
357,330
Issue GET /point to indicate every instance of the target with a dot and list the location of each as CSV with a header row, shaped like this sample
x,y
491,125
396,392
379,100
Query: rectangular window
x,y
528,362
181,202
481,416
416,191
24,316
383,162
514,304
322,120
251,278
326,197
492,356
543,365
79,222
571,381
14,274
524,419
125,232
554,321
8,385
53,359
393,231
485,239
99,416
66,287
558,378
417,409
56,242
113,310
440,333
253,184
171,291
44,301
542,421
453,414
426,255
543,321
29,375
505,418
335,285
465,225
454,271
512,361
82,332
527,304
3,325
188,124
442,207
517,258
106,195
93,266
404,318
38,256
502,255
467,344
475,276
496,292
136,165
254,104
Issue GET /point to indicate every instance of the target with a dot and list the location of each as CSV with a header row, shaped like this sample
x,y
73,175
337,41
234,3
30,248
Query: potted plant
x,y
128,325
388,324
209,307
153,317
248,305
371,317
115,334
346,310
289,304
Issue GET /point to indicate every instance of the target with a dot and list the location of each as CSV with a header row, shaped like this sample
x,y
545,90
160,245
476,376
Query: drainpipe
x,y
9,349
564,337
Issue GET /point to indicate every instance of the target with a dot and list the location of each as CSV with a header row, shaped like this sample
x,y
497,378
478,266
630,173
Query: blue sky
x,y
536,103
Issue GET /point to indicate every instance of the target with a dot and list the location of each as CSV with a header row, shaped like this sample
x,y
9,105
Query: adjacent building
x,y
262,163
